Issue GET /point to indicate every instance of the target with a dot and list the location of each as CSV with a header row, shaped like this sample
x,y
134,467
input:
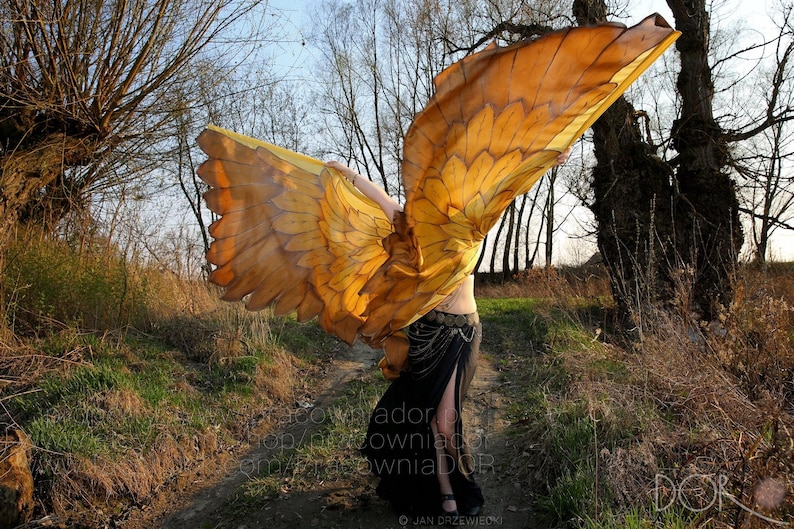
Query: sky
x,y
754,12
296,60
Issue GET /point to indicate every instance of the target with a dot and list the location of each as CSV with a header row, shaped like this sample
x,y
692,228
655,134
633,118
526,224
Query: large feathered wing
x,y
291,233
296,235
497,122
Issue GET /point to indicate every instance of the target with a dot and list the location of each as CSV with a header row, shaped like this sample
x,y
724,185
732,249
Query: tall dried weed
x,y
724,391
705,409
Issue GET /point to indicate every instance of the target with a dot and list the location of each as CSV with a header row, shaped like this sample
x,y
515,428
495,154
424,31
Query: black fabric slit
x,y
399,444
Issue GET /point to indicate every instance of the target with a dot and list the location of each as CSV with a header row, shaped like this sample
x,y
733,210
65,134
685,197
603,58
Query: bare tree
x,y
86,84
762,159
767,188
379,58
662,221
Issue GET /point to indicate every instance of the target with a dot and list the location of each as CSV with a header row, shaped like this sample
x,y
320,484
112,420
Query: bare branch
x,y
773,220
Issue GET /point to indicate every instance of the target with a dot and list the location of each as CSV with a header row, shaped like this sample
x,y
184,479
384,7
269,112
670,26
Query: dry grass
x,y
139,443
586,282
124,390
757,342
90,491
120,401
279,376
725,390
700,414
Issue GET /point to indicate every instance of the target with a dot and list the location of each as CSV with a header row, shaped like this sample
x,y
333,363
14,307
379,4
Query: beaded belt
x,y
452,320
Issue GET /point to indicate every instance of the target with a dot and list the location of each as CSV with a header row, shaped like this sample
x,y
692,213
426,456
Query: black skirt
x,y
399,445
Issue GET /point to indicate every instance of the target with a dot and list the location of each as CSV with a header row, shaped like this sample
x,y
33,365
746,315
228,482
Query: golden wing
x,y
292,233
496,123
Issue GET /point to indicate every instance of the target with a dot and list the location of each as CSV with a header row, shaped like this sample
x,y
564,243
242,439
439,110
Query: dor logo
x,y
702,492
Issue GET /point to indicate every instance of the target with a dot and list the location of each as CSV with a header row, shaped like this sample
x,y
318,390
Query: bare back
x,y
461,300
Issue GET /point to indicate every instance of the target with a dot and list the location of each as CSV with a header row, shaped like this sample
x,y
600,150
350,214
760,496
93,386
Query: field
x,y
149,403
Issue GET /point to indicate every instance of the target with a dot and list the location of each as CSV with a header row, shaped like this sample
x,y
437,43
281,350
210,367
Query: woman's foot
x,y
448,505
449,510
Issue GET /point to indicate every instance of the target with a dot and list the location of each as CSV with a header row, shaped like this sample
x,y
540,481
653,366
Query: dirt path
x,y
202,499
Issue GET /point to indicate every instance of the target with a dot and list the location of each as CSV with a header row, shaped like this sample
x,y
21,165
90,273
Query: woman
x,y
415,437
415,441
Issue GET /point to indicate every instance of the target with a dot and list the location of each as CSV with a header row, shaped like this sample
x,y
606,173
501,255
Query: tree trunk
x,y
709,234
550,217
507,273
24,177
667,237
632,201
495,248
517,243
762,244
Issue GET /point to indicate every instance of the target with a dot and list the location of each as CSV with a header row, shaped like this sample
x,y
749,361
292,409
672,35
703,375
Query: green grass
x,y
543,350
307,342
568,497
125,395
642,518
513,324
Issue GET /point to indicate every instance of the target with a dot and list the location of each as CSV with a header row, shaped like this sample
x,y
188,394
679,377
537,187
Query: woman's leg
x,y
443,426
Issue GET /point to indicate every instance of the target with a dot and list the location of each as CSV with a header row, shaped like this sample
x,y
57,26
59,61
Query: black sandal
x,y
448,497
